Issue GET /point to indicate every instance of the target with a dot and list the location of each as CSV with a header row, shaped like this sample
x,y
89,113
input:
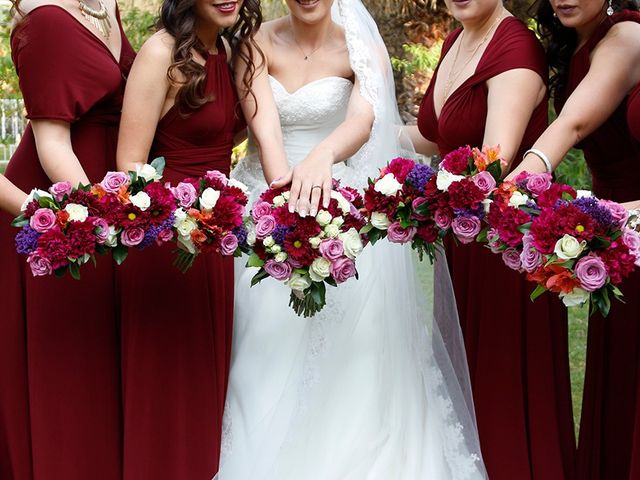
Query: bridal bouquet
x,y
209,217
306,253
568,242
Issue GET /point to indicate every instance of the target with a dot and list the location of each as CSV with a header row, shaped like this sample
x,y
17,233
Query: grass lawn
x,y
577,352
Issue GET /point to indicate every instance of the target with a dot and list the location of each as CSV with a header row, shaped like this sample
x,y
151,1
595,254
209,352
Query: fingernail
x,y
291,209
303,213
314,212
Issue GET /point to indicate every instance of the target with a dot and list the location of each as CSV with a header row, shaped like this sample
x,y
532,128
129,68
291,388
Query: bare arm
x,y
615,69
420,144
11,197
144,101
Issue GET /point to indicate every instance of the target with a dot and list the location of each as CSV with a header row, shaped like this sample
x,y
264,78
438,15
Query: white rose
x,y
276,249
29,199
569,247
352,243
584,194
185,243
298,283
343,203
141,200
338,221
315,242
279,201
235,183
251,238
323,218
320,269
388,185
380,220
112,239
77,213
178,216
186,226
269,241
209,198
331,231
445,179
281,257
577,297
518,199
148,172
286,196
486,203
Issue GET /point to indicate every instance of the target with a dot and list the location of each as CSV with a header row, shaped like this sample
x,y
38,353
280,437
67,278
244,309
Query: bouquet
x,y
209,217
306,253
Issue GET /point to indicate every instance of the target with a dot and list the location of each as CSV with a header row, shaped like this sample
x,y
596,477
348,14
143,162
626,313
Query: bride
x,y
375,386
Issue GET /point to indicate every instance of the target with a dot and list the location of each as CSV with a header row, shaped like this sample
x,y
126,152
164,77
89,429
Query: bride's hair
x,y
178,18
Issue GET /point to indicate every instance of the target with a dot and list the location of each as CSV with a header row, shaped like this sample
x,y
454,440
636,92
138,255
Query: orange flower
x,y
123,194
488,155
198,236
63,217
98,191
503,193
555,278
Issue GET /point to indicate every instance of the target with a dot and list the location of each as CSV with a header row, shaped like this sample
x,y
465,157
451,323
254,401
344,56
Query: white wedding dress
x,y
375,386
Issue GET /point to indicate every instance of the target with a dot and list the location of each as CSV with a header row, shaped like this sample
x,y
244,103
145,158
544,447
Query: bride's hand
x,y
310,180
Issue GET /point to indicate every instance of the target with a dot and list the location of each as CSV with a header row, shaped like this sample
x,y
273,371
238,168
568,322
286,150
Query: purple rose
x,y
484,181
592,273
229,244
397,234
259,210
417,202
132,236
43,220
538,183
511,258
331,249
102,229
631,239
618,212
215,175
60,189
112,181
442,219
466,228
39,265
531,259
165,235
343,269
185,193
294,263
278,270
265,226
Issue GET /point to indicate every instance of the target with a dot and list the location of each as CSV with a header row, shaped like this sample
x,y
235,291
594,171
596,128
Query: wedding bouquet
x,y
306,253
209,217
568,242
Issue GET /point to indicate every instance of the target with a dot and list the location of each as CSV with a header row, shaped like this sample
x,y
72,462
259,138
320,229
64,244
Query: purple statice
x,y
26,240
152,233
279,233
241,234
477,212
420,176
592,207
532,205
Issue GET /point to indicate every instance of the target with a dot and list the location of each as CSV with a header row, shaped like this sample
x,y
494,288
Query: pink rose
x,y
484,181
531,259
493,240
40,265
43,220
229,244
538,183
511,258
60,189
101,229
278,270
165,236
442,219
112,181
417,202
259,210
618,212
216,176
132,236
631,239
264,226
397,234
185,194
331,249
343,269
592,273
466,228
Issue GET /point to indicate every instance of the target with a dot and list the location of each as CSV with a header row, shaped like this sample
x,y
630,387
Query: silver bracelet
x,y
541,156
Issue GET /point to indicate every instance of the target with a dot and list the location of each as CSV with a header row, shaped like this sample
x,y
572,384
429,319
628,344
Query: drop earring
x,y
610,9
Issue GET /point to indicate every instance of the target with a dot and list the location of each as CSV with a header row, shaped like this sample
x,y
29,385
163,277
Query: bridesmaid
x,y
595,56
489,88
60,391
181,104
11,197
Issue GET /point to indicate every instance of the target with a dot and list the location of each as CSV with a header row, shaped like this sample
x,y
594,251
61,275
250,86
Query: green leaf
x,y
318,292
159,164
524,228
74,270
539,290
255,261
599,243
366,229
20,222
374,235
483,236
495,169
120,253
258,277
331,281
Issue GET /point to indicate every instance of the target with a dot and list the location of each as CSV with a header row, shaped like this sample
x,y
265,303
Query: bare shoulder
x,y
623,35
158,48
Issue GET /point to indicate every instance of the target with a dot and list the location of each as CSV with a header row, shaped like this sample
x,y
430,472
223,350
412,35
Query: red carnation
x,y
238,195
508,222
457,161
270,193
284,217
550,197
620,263
465,194
81,239
428,232
401,167
163,203
55,247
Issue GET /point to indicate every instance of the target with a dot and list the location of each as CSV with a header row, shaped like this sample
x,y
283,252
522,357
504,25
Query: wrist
x,y
326,155
541,156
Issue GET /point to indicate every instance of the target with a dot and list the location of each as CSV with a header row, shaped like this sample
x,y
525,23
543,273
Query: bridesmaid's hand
x,y
310,180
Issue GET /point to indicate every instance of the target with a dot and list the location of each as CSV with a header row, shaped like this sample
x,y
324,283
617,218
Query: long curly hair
x,y
178,18
561,42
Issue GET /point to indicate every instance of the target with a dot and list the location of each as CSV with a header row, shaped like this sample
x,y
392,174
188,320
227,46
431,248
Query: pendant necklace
x,y
308,55
98,18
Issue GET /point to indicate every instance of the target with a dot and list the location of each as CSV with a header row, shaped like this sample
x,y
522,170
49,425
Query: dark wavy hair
x,y
178,18
560,42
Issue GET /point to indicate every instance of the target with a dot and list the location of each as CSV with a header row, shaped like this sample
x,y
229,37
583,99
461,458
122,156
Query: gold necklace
x,y
98,18
307,55
451,79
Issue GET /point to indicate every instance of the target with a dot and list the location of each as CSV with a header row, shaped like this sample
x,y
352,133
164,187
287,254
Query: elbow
x,y
574,128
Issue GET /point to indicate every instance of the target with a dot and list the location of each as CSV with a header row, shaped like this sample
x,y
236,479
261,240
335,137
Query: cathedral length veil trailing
x,y
376,385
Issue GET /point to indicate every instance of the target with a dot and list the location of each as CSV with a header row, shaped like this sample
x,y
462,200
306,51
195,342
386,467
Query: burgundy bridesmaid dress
x,y
60,386
613,345
176,328
517,350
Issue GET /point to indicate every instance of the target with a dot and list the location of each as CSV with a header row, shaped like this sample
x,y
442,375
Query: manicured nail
x,y
303,213
314,212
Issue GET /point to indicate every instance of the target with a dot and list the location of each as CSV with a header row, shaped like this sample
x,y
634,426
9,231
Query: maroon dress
x,y
517,350
613,344
176,328
60,387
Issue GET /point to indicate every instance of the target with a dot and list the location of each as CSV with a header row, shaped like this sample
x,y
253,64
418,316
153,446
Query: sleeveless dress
x,y
60,389
346,394
176,328
517,350
613,343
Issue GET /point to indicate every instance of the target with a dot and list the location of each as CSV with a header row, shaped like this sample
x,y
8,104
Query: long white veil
x,y
379,387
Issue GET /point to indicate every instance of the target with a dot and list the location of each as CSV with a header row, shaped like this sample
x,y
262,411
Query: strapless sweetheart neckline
x,y
313,82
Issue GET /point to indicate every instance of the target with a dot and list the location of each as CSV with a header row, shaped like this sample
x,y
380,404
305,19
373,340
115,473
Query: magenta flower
x,y
417,202
229,244
216,176
538,183
397,234
165,235
112,181
39,265
618,212
511,258
265,226
132,236
278,270
331,249
484,181
466,228
185,194
43,220
101,230
259,210
592,273
343,269
60,189
442,219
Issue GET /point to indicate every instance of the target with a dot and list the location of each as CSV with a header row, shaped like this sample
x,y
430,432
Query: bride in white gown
x,y
375,386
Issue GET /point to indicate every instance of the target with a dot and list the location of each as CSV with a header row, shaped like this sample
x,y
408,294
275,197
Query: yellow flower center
x,y
131,216
579,229
297,244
